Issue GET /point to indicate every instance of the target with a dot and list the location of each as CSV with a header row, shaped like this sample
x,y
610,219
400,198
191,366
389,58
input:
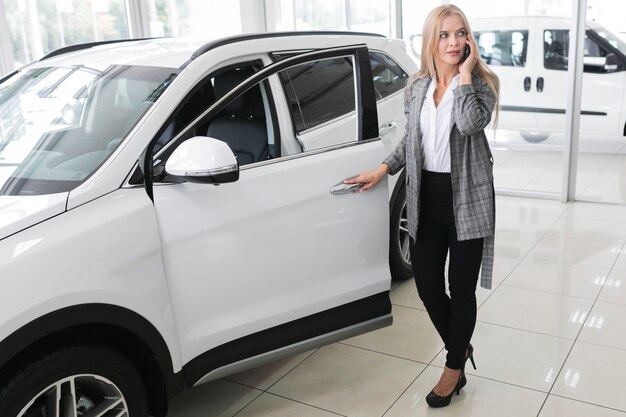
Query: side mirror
x,y
611,63
205,160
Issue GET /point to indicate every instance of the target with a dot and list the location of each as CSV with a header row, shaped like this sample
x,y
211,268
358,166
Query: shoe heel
x,y
470,355
471,358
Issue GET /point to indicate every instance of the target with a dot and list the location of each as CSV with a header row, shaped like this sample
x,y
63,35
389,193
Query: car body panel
x,y
206,229
18,212
107,251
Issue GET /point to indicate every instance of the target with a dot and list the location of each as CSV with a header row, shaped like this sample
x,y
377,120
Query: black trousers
x,y
454,316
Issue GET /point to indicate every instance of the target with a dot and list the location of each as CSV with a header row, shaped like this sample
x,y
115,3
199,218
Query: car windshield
x,y
59,124
615,41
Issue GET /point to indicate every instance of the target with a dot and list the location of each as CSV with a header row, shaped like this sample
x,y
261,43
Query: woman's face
x,y
452,40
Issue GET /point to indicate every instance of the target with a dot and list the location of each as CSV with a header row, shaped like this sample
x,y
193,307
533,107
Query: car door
x,y
285,255
602,91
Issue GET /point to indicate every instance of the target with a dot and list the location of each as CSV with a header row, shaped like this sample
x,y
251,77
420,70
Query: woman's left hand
x,y
468,65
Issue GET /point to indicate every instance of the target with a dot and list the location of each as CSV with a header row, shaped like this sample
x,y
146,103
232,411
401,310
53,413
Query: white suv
x,y
173,211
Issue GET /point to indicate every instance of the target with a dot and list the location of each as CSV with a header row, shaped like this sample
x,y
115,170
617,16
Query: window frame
x,y
367,116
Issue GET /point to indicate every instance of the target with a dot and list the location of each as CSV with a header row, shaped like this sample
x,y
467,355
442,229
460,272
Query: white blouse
x,y
435,128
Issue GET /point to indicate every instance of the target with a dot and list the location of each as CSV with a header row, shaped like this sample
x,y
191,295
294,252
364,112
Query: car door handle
x,y
386,128
540,84
342,188
527,84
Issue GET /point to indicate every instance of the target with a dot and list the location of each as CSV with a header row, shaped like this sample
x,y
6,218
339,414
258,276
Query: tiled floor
x,y
550,339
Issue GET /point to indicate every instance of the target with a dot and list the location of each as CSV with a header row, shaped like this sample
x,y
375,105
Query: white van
x,y
530,55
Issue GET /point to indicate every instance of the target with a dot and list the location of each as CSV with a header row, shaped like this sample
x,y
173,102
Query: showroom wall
x,y
530,146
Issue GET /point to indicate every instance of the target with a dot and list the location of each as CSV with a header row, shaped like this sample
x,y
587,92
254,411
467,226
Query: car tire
x,y
534,137
399,241
72,377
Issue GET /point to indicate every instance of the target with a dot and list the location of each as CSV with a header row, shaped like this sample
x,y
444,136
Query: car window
x,y
388,76
242,123
319,91
503,48
556,51
59,124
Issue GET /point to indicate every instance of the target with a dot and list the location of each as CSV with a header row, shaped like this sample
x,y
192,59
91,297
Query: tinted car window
x,y
503,48
388,76
319,91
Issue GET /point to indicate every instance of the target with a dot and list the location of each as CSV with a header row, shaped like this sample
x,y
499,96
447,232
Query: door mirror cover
x,y
205,160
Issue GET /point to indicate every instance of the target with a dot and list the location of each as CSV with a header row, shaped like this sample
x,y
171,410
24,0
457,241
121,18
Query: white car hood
x,y
19,212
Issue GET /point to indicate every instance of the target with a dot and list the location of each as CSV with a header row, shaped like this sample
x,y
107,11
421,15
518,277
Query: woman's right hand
x,y
369,178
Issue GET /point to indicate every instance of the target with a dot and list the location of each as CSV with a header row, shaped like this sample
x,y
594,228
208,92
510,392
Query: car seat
x,y
241,124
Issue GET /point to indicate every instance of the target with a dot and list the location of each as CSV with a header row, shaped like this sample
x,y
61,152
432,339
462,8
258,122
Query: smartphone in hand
x,y
466,52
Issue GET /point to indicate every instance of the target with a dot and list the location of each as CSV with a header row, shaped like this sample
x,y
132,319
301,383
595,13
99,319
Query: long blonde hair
x,y
430,43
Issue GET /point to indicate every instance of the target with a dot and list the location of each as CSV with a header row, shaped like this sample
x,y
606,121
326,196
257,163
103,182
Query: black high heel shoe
x,y
470,356
437,401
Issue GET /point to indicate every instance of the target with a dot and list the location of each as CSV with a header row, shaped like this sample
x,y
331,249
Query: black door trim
x,y
287,334
547,110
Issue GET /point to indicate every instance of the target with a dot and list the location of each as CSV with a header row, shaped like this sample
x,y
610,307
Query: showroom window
x,y
38,27
319,91
503,48
210,18
360,16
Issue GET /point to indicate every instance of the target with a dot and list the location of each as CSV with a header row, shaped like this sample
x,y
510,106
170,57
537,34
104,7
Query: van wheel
x,y
73,381
399,241
534,137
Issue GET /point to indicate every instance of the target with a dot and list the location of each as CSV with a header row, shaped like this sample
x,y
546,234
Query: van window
x,y
556,51
503,48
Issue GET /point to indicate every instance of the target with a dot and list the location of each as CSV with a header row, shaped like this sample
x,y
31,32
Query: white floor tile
x,y
542,312
405,295
562,407
503,266
620,263
268,405
576,251
215,399
559,278
517,357
606,325
515,243
412,336
531,208
348,380
479,398
264,376
614,288
596,211
528,221
594,374
589,229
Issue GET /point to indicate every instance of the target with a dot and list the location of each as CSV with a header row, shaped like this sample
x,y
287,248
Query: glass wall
x,y
40,26
354,15
208,18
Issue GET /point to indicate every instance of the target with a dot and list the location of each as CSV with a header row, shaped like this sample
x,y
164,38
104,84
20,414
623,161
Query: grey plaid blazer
x,y
471,163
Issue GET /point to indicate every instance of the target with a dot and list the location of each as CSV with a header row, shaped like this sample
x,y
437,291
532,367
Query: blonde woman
x,y
449,184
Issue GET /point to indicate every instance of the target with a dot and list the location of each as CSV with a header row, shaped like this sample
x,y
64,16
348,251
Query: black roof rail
x,y
80,46
249,36
6,77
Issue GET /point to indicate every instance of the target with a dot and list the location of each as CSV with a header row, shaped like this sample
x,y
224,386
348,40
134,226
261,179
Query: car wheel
x,y
399,241
534,137
73,381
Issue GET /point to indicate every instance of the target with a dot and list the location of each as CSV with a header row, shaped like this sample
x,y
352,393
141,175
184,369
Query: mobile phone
x,y
466,52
